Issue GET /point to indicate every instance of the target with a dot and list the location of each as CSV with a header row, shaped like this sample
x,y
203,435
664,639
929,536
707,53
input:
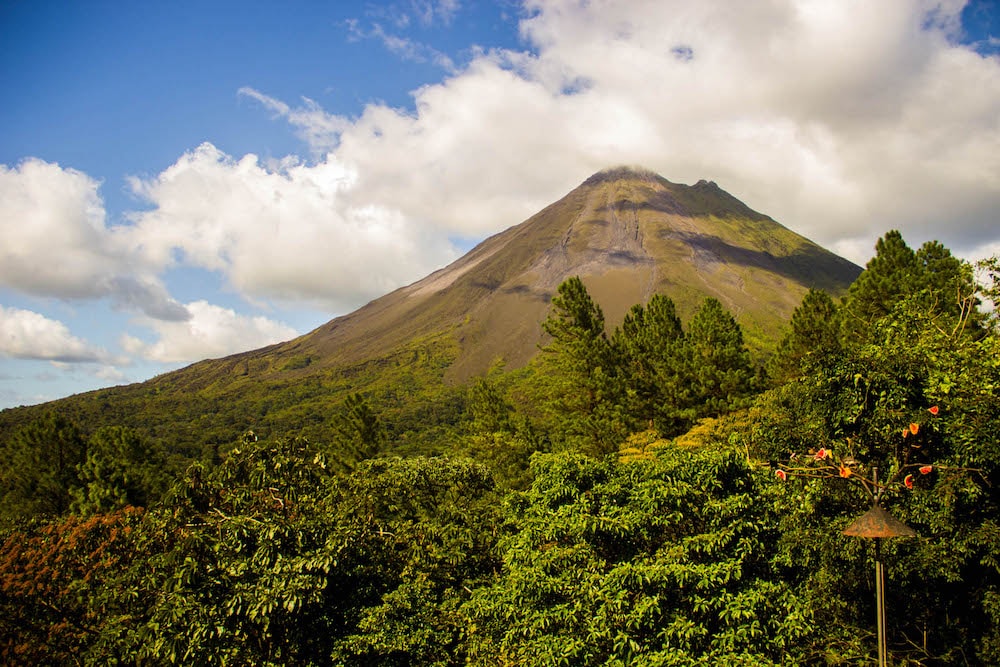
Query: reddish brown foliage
x,y
50,580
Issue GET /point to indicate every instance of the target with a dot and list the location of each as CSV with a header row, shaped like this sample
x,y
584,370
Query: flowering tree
x,y
907,463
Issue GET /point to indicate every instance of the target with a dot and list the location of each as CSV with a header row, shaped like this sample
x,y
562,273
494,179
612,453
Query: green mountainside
x,y
628,233
642,491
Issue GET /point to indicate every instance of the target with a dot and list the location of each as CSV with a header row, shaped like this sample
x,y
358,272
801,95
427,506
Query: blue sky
x,y
188,180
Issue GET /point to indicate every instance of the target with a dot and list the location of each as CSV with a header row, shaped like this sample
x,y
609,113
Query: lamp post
x,y
878,524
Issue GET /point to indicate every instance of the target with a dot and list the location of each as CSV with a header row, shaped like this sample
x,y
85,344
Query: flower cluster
x,y
827,463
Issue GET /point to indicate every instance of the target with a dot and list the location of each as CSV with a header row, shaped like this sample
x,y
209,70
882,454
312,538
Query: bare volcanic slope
x,y
628,233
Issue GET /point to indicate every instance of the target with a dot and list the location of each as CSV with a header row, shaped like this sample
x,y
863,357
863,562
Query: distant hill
x,y
628,233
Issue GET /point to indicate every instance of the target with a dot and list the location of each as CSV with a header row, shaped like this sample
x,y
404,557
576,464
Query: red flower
x,y
822,454
933,410
908,481
926,470
906,432
781,474
914,428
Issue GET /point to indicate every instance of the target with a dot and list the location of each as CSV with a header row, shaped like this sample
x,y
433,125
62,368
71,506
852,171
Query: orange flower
x,y
914,428
906,432
781,474
933,410
926,470
908,481
845,472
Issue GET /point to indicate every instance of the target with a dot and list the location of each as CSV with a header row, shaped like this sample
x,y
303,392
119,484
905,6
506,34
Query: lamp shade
x,y
876,522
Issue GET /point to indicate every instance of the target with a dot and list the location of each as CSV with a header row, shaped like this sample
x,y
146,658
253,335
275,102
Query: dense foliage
x,y
644,496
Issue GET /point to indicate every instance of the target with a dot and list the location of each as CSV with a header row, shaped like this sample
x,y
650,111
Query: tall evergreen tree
x,y
39,468
120,470
930,279
890,275
360,433
947,286
720,372
814,336
587,394
651,344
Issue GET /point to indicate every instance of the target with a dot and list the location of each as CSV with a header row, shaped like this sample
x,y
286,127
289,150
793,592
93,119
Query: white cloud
x,y
54,239
842,120
291,234
56,243
410,49
319,129
25,334
211,332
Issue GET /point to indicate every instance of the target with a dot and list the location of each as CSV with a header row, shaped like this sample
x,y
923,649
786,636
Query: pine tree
x,y
39,468
587,394
931,280
814,336
651,344
120,470
947,286
720,372
889,276
360,433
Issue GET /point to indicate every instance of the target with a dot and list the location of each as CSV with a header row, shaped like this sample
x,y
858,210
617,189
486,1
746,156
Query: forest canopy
x,y
648,495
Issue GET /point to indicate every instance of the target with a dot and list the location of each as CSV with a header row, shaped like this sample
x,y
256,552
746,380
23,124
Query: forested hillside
x,y
643,494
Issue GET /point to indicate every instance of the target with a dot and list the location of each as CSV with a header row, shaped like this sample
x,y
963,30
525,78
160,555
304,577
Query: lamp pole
x,y
878,524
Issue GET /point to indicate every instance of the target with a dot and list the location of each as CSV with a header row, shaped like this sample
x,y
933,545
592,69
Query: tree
x,y
60,592
413,538
120,470
916,400
497,437
813,338
40,468
652,348
948,287
586,393
360,433
720,373
658,562
890,275
272,559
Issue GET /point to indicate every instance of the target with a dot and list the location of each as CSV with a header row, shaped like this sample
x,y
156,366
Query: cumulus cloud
x,y
842,120
290,234
212,331
56,242
25,334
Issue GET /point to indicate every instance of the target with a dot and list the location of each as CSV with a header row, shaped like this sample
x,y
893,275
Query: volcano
x,y
628,233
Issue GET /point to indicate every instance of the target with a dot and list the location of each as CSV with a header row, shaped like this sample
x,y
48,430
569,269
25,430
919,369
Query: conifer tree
x,y
588,393
39,468
120,470
720,372
651,344
814,336
360,433
891,274
930,279
947,286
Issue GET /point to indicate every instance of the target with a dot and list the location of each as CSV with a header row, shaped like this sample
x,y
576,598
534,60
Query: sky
x,y
187,180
